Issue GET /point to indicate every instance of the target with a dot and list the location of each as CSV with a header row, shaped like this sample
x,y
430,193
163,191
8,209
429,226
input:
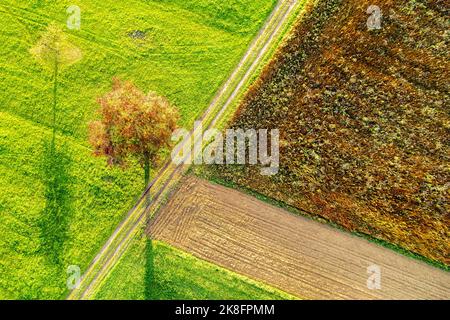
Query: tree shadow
x,y
53,225
149,279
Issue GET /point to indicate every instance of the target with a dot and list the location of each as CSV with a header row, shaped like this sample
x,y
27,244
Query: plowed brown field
x,y
300,256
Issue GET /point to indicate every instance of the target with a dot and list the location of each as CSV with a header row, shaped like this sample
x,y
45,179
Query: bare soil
x,y
303,257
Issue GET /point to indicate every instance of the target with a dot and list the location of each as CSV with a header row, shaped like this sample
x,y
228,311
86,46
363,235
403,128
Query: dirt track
x,y
300,256
169,174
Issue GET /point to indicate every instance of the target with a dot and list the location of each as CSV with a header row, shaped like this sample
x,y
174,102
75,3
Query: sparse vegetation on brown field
x,y
364,122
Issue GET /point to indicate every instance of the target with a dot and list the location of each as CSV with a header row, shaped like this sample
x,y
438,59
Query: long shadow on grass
x,y
156,286
149,271
55,166
165,274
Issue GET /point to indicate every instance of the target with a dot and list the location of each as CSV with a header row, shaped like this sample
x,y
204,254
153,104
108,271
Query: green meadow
x,y
152,270
185,50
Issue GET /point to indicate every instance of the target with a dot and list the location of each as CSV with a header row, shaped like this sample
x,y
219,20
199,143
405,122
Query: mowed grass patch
x,y
180,55
152,270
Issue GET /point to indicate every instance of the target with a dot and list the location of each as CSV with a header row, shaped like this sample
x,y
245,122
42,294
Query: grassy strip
x,y
279,37
282,37
235,77
120,240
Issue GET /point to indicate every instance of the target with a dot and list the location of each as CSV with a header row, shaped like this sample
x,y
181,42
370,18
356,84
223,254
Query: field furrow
x,y
295,254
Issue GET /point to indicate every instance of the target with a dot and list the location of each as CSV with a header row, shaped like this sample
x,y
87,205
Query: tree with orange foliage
x,y
132,125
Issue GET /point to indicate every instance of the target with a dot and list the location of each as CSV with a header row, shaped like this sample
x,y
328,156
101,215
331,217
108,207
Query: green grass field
x,y
189,49
160,271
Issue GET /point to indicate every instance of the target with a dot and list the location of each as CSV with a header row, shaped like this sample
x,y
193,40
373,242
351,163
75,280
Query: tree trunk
x,y
146,169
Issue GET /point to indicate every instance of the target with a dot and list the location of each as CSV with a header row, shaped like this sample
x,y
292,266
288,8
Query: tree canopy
x,y
54,48
132,125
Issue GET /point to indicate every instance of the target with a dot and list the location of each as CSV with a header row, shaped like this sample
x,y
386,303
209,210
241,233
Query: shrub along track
x,y
295,254
170,174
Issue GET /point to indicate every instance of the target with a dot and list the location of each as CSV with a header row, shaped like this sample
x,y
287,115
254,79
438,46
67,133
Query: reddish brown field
x,y
300,256
364,122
